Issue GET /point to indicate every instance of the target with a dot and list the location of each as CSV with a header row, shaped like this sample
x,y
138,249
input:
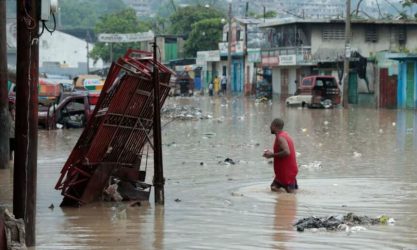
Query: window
x,y
333,33
402,35
307,82
238,35
371,35
326,82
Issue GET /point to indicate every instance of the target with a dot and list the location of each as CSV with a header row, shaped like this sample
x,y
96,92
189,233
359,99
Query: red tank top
x,y
285,168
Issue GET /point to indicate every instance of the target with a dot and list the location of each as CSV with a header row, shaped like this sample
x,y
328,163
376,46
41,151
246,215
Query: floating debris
x,y
184,112
357,155
312,165
348,223
237,194
229,161
112,193
177,200
51,206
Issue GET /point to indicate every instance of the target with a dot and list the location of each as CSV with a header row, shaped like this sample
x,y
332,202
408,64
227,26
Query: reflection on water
x,y
368,166
285,215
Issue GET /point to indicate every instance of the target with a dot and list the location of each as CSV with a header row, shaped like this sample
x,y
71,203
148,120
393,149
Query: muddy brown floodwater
x,y
358,160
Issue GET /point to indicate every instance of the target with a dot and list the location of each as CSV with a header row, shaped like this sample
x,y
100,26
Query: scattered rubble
x,y
348,223
184,112
14,230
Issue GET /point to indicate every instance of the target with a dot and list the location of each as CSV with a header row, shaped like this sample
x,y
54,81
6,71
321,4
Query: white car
x,y
299,100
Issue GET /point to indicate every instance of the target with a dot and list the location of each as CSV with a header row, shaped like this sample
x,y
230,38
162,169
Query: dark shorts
x,y
289,188
224,86
12,144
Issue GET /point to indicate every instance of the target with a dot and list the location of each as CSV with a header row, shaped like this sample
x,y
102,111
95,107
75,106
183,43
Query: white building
x,y
142,7
59,53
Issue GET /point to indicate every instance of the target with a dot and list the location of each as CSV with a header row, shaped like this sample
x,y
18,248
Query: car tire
x,y
327,104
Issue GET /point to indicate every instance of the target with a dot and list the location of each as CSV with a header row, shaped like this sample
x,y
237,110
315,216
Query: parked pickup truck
x,y
316,92
49,91
72,112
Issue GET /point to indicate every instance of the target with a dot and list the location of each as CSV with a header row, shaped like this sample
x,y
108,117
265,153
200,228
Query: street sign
x,y
126,38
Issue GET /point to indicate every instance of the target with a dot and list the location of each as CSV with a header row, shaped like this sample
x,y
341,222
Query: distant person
x,y
210,87
297,88
224,84
12,140
285,163
216,83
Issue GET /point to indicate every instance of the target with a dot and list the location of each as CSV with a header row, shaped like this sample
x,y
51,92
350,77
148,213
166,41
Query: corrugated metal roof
x,y
280,22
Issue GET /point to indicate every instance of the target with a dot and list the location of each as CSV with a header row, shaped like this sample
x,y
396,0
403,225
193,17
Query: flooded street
x,y
358,160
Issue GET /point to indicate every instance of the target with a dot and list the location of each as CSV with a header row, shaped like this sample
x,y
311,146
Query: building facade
x,y
297,48
246,38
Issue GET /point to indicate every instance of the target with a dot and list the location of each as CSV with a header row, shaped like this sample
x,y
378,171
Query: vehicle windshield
x,y
326,82
307,82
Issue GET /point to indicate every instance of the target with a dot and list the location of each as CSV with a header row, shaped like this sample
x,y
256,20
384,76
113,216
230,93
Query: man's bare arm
x,y
285,149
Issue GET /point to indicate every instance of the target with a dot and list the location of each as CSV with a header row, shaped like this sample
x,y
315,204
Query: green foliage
x,y
85,14
205,35
183,19
408,3
268,14
124,21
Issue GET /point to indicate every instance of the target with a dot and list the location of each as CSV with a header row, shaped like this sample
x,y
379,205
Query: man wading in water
x,y
285,163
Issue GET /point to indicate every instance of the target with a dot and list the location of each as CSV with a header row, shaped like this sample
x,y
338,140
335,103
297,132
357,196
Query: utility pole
x,y
158,180
111,53
229,52
4,96
88,39
347,57
27,78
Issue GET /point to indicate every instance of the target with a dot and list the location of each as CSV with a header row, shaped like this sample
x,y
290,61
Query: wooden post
x,y
27,78
347,57
159,180
4,96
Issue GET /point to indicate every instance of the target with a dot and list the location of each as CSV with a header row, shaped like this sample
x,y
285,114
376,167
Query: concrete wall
x,y
387,39
292,76
276,81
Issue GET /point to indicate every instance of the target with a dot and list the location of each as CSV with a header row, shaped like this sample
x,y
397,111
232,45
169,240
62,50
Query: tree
x,y
122,22
205,35
268,14
183,19
85,14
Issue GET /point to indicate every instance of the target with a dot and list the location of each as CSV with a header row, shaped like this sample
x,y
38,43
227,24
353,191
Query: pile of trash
x,y
349,222
183,112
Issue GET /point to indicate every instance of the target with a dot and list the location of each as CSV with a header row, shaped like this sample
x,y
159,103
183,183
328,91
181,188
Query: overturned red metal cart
x,y
119,128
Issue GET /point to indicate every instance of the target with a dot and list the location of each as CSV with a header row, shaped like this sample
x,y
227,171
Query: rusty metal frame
x,y
119,128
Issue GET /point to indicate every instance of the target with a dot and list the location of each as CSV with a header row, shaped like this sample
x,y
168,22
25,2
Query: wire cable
x,y
46,27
